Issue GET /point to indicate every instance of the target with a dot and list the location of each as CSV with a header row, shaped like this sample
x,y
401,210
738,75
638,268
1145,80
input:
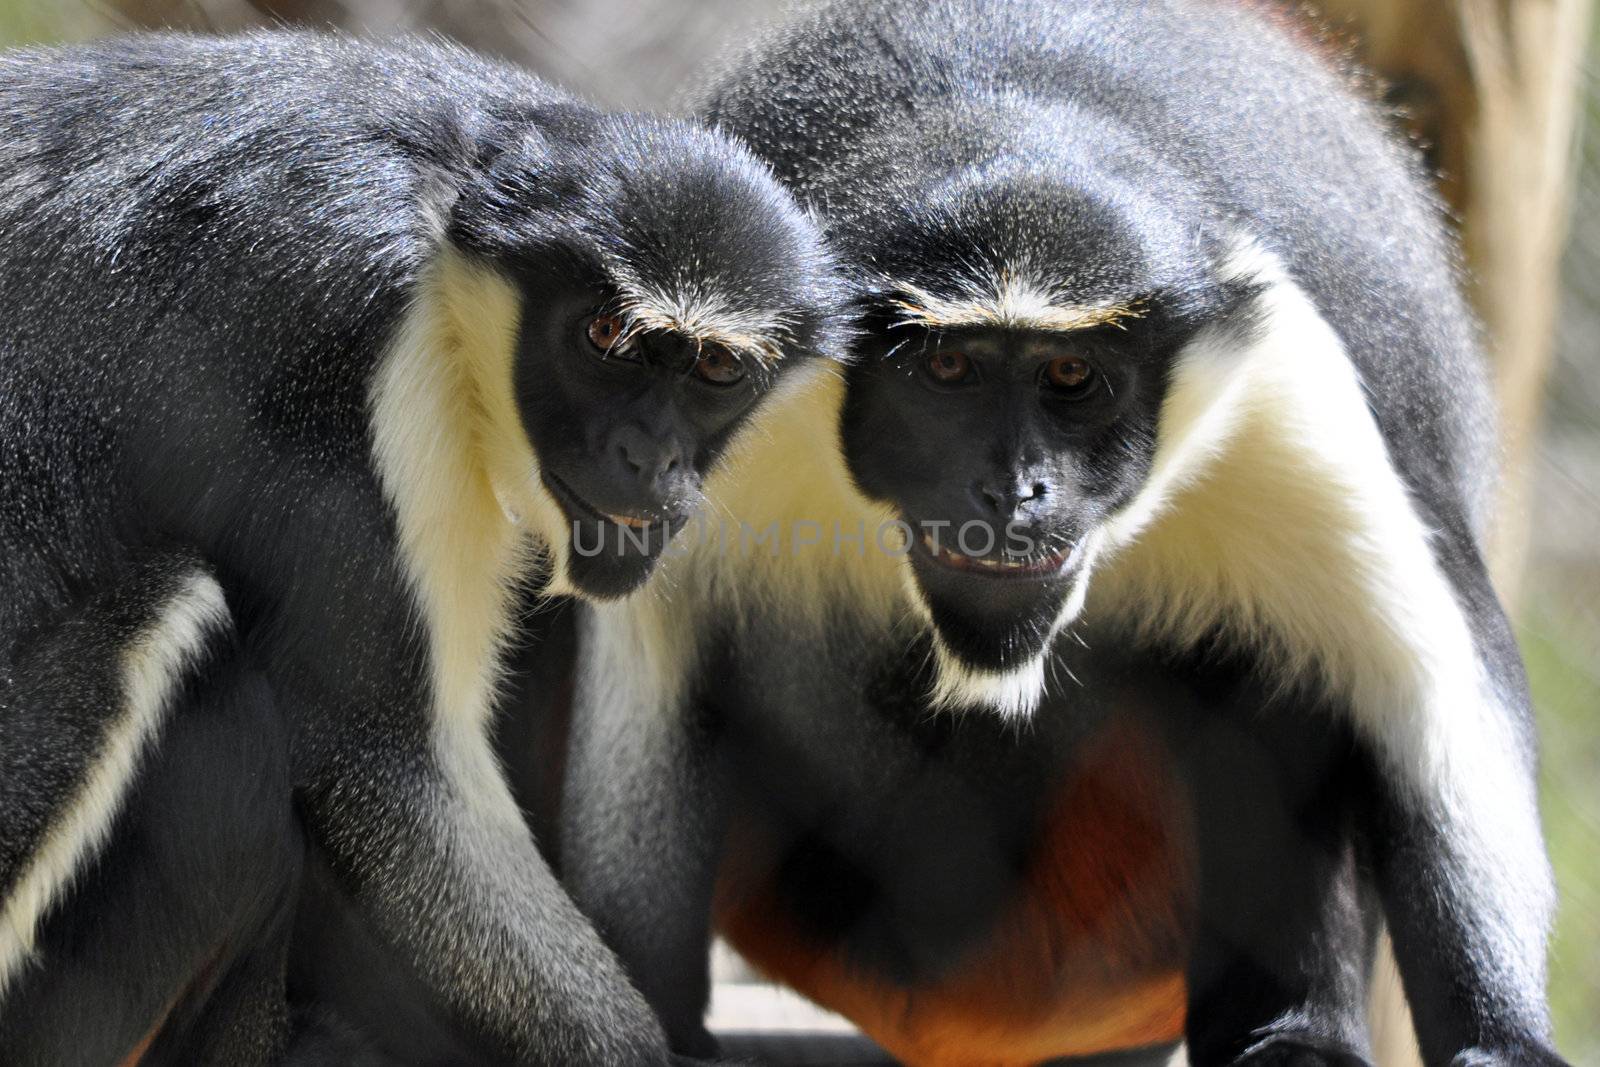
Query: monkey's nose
x,y
655,462
1005,498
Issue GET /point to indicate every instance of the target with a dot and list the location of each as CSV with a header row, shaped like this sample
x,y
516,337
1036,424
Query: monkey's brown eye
x,y
605,331
719,366
948,367
1069,374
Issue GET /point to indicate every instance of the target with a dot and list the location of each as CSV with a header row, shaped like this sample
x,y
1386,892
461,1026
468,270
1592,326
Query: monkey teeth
x,y
631,521
1009,566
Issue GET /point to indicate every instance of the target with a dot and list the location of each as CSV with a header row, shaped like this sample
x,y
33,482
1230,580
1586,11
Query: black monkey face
x,y
1020,322
667,281
1003,450
625,421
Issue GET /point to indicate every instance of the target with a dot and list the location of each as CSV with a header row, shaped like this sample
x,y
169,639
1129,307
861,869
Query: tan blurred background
x,y
1502,92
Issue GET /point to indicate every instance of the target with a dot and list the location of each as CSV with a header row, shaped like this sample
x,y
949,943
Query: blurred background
x,y
1501,93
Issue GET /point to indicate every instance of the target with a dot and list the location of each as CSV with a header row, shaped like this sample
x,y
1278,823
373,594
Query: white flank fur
x,y
1273,511
461,476
795,432
152,667
635,667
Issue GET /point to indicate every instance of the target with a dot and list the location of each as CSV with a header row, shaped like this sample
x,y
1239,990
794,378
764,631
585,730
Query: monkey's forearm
x,y
455,884
1467,893
643,814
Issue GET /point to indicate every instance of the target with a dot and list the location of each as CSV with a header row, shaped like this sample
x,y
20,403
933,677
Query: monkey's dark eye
x,y
1069,374
606,334
949,367
719,366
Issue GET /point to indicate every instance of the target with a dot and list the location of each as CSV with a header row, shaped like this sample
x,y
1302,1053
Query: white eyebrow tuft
x,y
1007,300
707,318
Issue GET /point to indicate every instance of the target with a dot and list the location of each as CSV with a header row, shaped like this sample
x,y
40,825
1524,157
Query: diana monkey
x,y
311,349
1167,663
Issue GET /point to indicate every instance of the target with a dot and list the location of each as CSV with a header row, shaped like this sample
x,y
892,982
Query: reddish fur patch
x,y
203,980
1088,958
133,1058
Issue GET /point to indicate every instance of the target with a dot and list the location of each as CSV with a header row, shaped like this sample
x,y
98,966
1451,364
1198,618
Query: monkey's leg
x,y
1285,929
643,814
325,1039
356,1001
201,878
83,700
170,939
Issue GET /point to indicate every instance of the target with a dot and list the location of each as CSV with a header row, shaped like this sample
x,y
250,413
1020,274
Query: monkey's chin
x,y
993,628
609,577
609,556
608,561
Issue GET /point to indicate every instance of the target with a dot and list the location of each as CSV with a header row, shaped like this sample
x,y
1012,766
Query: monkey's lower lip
x,y
1049,565
579,508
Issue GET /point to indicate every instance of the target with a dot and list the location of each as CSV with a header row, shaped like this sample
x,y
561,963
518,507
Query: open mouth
x,y
578,508
1039,566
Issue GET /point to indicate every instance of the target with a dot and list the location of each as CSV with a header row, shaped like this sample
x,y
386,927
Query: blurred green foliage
x,y
1561,656
39,21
